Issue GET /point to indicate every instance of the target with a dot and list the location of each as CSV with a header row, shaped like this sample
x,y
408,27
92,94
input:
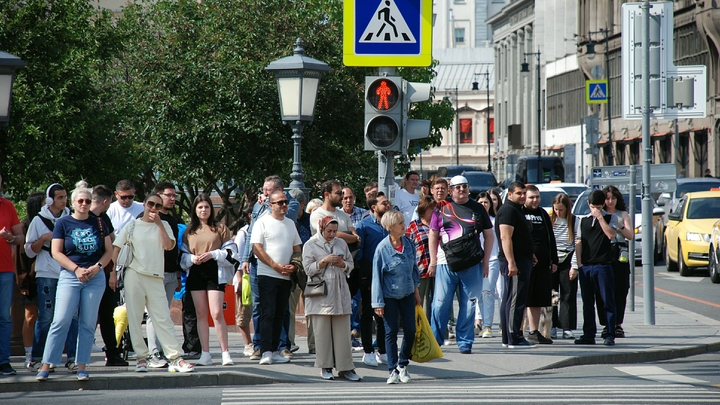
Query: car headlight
x,y
697,237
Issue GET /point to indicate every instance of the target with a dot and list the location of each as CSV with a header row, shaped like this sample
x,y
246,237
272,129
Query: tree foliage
x,y
176,90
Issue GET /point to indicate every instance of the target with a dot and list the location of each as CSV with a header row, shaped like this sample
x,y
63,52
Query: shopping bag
x,y
425,347
121,322
246,292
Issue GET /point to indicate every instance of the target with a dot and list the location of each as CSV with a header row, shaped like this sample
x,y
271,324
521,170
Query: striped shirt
x,y
564,246
418,233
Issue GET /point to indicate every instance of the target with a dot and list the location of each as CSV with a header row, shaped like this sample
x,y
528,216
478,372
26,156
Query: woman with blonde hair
x,y
565,279
82,247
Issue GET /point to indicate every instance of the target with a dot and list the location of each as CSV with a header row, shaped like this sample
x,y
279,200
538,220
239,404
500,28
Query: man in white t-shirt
x,y
124,209
405,199
274,239
332,194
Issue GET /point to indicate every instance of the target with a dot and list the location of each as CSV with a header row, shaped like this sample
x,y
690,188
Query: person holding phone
x,y
328,257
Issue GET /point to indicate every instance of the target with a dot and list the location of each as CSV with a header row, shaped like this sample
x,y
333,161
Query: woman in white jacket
x,y
329,258
47,271
150,237
206,243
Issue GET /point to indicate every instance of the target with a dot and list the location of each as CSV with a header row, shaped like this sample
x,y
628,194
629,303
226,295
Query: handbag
x,y
126,255
463,252
315,287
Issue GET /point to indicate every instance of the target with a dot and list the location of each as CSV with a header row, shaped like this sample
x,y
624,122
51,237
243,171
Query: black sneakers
x,y
585,341
537,338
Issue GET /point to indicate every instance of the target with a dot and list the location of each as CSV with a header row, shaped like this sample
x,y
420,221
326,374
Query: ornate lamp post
x,y
8,65
298,79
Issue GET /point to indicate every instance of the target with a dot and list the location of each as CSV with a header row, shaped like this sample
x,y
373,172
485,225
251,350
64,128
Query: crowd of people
x,y
352,267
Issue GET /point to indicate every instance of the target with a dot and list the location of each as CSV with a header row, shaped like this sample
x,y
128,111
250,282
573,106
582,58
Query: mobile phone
x,y
341,254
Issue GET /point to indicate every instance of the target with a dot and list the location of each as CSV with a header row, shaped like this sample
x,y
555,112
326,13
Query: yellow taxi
x,y
687,235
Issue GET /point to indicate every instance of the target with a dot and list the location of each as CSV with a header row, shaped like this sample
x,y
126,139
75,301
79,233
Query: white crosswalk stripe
x,y
435,392
656,373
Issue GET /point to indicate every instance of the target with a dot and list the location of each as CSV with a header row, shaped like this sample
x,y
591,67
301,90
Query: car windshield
x,y
546,198
704,208
482,181
582,207
684,188
573,192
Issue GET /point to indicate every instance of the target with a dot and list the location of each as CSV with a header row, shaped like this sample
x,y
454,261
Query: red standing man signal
x,y
383,91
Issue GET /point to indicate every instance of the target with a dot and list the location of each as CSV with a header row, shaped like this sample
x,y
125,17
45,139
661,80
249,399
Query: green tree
x,y
62,127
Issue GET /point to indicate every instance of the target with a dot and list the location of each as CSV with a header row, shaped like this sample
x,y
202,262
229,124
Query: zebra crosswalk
x,y
445,392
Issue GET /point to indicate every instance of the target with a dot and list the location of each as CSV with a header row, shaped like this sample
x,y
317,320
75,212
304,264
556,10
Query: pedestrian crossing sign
x,y
596,91
387,33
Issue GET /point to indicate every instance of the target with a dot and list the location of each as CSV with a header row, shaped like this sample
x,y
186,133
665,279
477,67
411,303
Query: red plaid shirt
x,y
418,233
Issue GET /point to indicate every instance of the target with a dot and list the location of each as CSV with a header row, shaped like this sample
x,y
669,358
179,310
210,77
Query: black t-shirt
x,y
511,214
542,234
109,229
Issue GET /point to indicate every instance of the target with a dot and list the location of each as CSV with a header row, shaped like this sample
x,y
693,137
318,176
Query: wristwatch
x,y
100,266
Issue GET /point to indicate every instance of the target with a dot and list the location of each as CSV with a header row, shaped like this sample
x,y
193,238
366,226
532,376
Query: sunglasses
x,y
170,196
281,202
460,187
83,201
152,204
127,197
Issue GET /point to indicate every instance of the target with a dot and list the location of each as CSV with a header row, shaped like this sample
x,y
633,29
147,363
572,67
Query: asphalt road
x,y
696,293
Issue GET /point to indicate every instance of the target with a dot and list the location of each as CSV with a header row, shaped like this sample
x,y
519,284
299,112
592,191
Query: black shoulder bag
x,y
463,252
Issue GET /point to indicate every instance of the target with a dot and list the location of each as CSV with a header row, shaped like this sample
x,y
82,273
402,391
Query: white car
x,y
547,193
573,190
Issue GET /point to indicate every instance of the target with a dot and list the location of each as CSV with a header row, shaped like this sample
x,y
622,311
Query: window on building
x,y
459,35
466,130
492,131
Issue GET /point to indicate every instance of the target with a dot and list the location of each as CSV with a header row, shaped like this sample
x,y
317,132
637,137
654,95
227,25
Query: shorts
x,y
243,314
540,286
204,277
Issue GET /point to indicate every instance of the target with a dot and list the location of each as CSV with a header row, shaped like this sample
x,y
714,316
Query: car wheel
x,y
685,271
671,265
713,267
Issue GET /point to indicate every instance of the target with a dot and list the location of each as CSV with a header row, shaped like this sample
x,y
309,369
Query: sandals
x,y
176,367
141,366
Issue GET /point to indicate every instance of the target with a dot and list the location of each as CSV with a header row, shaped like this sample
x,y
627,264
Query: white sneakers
x,y
487,332
226,359
381,358
369,359
404,376
266,358
204,360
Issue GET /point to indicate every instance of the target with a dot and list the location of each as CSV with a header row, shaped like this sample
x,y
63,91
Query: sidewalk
x,y
677,333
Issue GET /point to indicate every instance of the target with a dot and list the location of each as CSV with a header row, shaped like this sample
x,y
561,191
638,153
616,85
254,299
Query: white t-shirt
x,y
407,204
344,222
277,238
120,216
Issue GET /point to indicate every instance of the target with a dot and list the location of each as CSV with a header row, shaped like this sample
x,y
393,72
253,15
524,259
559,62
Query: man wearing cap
x,y
454,219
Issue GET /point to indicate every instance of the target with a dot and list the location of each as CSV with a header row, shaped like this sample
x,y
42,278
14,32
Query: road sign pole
x,y
631,243
647,248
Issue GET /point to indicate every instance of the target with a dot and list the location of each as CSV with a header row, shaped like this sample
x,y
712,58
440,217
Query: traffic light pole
x,y
386,158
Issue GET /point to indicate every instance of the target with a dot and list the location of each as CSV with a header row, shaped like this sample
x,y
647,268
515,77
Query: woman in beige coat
x,y
329,258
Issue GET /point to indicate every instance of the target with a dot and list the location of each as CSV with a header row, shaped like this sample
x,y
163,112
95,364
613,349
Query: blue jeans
x,y
597,278
446,283
74,297
7,285
46,292
355,317
405,309
488,293
255,307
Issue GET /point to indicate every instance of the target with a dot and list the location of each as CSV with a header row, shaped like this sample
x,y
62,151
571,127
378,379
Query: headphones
x,y
49,200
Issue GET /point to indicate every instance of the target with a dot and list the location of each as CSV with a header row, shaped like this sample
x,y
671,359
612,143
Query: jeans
x,y
74,297
46,292
446,283
597,278
7,285
169,285
255,305
403,308
621,273
355,317
274,294
488,293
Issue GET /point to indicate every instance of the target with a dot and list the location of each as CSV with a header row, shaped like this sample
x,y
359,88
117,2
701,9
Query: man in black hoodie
x,y
540,285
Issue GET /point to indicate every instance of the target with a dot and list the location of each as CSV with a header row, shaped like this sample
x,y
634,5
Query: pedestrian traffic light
x,y
383,113
413,129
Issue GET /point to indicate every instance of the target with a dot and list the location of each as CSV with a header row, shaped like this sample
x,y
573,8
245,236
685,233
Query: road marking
x,y
674,294
658,374
678,277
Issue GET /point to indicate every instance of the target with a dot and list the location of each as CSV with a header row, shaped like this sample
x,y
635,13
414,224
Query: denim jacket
x,y
395,274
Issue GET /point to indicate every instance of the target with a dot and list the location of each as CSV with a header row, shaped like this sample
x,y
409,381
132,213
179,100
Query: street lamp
x,y
8,65
590,50
298,79
476,88
525,68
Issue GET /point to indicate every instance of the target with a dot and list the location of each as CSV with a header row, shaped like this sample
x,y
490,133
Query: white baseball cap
x,y
458,180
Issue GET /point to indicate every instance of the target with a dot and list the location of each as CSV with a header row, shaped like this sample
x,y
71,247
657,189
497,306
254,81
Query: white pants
x,y
170,282
142,292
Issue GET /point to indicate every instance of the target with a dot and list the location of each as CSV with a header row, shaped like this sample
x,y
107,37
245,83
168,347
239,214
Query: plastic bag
x,y
425,347
246,292
121,322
